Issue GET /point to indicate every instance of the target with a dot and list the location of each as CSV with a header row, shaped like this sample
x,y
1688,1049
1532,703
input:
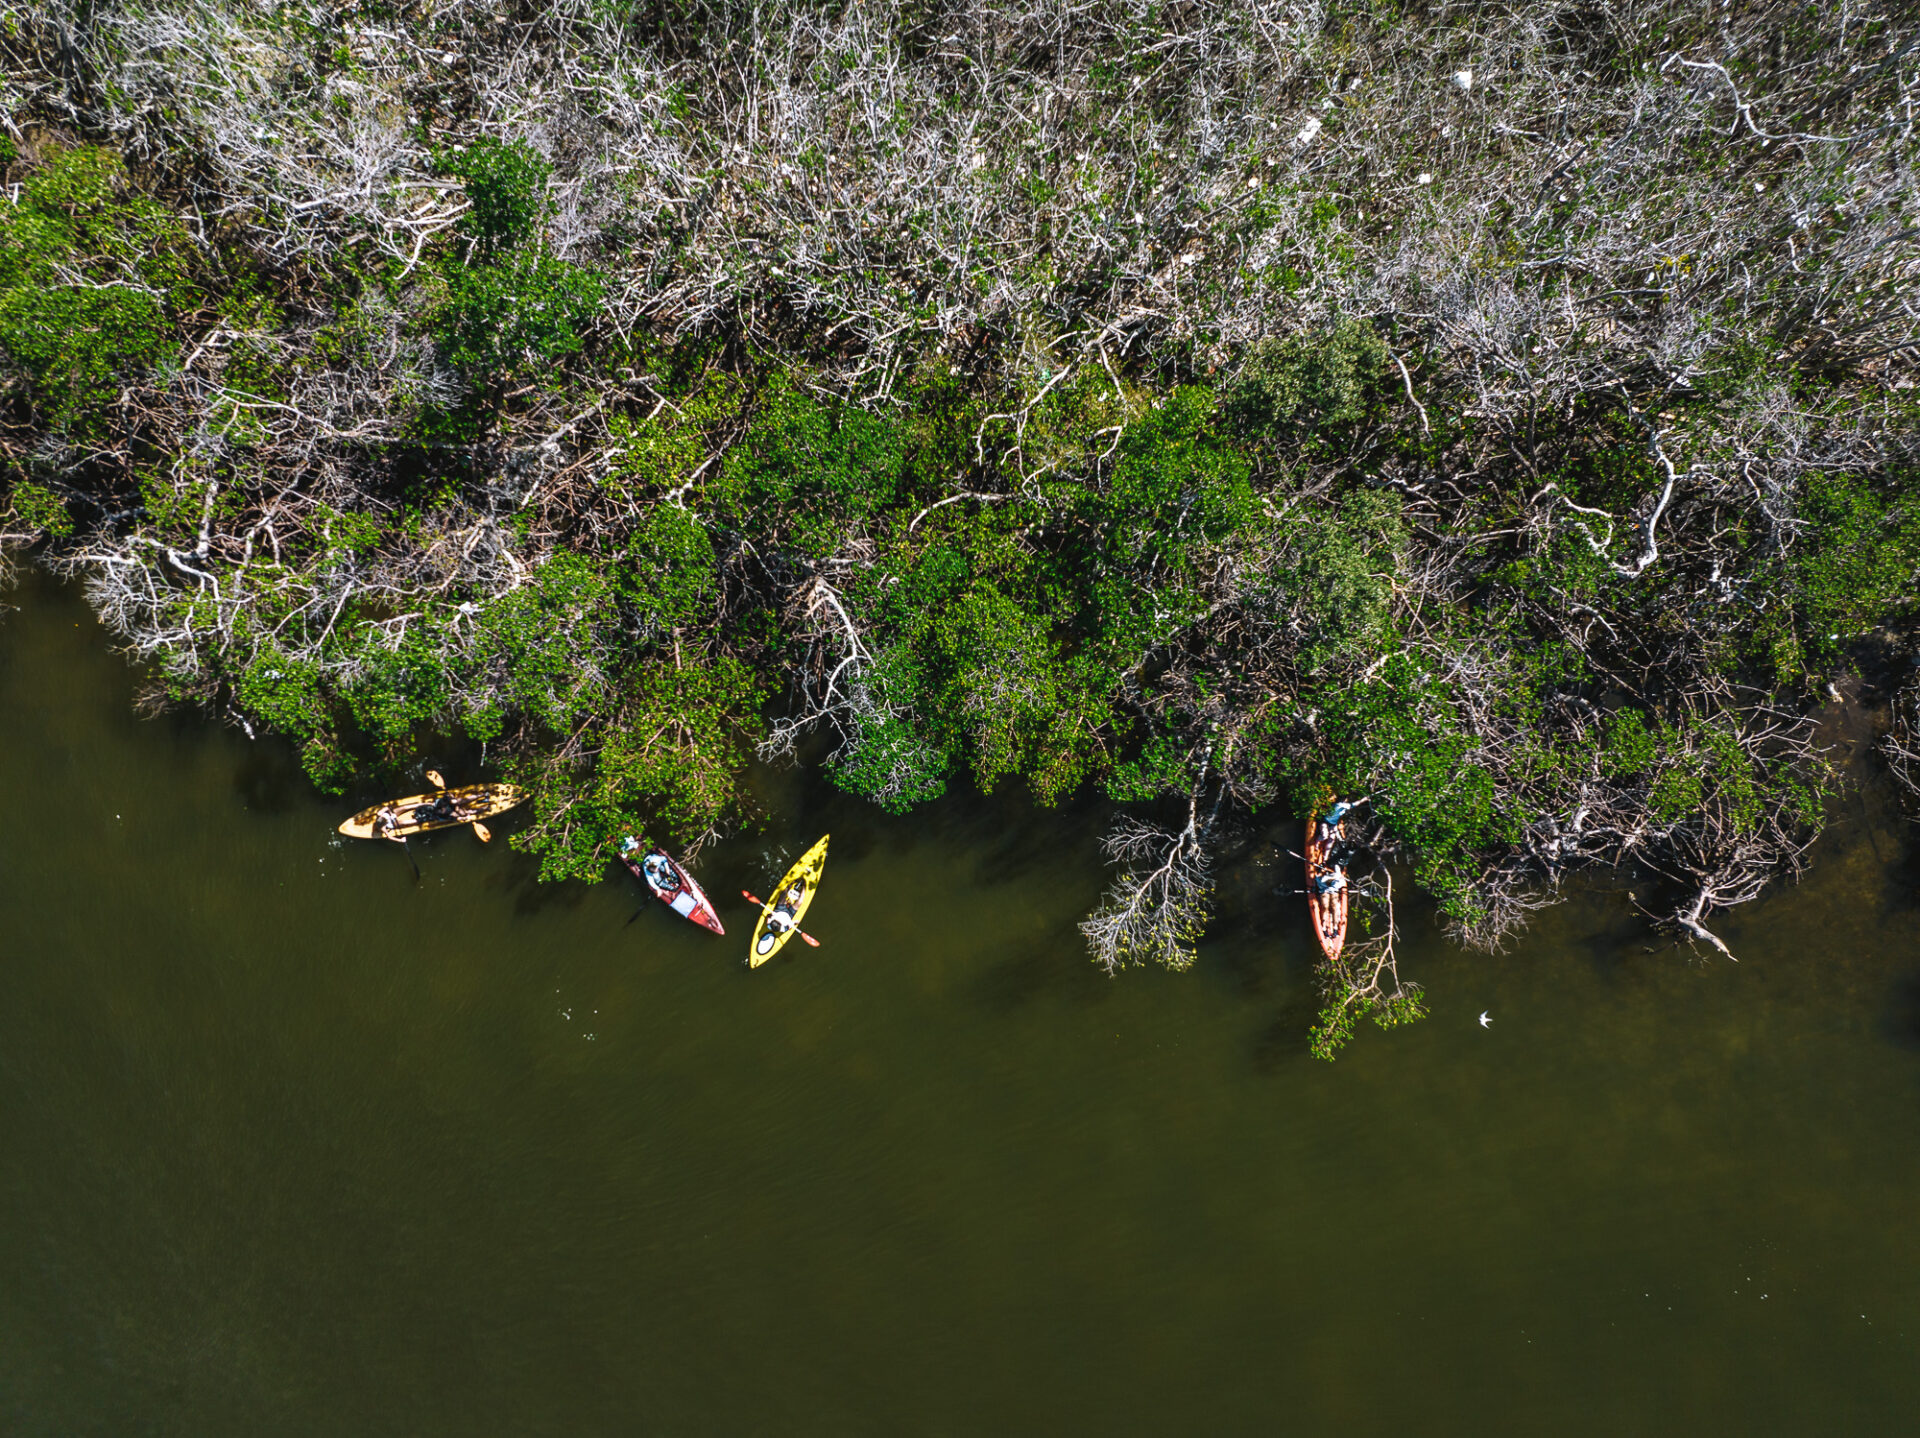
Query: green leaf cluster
x,y
88,271
545,644
979,671
291,697
1856,562
1177,489
808,471
400,691
511,303
1342,1014
506,192
1350,558
522,310
40,509
670,575
1007,632
1295,384
1630,748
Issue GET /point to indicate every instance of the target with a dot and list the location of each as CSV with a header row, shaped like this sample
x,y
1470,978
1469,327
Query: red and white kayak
x,y
671,884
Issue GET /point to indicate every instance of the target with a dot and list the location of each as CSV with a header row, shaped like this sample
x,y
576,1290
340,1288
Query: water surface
x,y
295,1144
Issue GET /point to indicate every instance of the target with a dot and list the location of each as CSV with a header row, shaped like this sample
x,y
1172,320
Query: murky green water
x,y
293,1144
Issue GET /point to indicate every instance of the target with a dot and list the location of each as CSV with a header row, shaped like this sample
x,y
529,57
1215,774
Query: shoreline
x,y
1191,418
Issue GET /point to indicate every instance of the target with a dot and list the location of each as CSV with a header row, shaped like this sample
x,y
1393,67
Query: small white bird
x,y
1485,1022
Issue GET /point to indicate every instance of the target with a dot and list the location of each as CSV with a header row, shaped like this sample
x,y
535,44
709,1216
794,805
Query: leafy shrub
x,y
806,472
653,450
1675,794
525,309
347,531
401,690
542,641
998,671
1857,563
290,697
1341,1016
1177,487
77,344
1630,748
678,747
1163,766
1350,559
983,664
888,760
42,510
1305,382
507,190
669,576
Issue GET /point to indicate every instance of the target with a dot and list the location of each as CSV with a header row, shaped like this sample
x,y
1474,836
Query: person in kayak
x,y
661,873
1329,881
781,919
1330,820
443,810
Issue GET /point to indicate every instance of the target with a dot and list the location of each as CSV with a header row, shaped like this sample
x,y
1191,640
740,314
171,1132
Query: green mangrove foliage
x,y
1216,407
88,273
510,302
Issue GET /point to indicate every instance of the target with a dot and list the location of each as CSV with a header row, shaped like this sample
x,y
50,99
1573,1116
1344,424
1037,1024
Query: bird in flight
x,y
1485,1022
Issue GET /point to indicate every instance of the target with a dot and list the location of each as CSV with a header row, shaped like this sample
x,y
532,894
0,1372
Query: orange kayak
x,y
1329,911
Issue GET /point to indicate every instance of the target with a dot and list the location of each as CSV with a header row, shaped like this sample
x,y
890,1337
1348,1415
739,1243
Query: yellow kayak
x,y
790,901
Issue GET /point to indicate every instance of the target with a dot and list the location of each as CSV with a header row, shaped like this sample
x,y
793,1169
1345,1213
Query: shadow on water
x,y
519,875
1004,855
1280,1044
1903,1012
269,778
1035,974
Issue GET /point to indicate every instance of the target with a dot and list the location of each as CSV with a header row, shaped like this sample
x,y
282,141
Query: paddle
x,y
480,830
801,932
401,840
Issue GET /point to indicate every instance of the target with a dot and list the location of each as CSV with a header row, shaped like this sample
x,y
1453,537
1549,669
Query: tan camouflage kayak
x,y
422,813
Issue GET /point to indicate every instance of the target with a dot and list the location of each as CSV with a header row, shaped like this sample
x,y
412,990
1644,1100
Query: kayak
x,y
671,884
1329,911
790,899
443,809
